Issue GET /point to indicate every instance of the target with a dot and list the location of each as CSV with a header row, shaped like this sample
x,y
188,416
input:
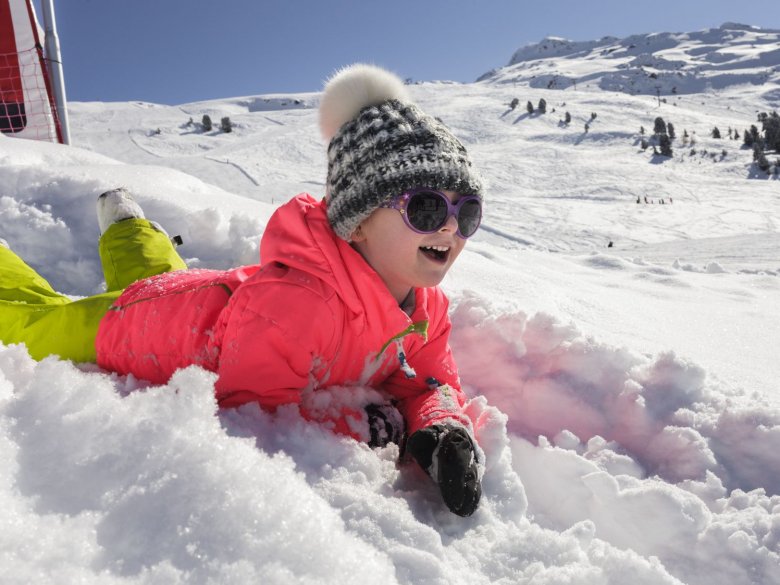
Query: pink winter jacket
x,y
313,315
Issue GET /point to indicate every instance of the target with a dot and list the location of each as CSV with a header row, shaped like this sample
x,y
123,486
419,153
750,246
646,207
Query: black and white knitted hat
x,y
381,144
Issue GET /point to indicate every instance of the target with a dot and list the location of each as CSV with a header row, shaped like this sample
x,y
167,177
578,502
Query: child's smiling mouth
x,y
436,253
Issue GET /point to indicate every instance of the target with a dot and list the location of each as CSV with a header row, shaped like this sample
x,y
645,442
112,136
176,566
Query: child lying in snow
x,y
346,294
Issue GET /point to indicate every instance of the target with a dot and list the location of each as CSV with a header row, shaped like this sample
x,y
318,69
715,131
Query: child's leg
x,y
20,283
67,330
133,249
47,322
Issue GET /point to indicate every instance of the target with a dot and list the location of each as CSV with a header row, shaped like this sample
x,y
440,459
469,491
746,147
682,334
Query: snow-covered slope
x,y
627,396
665,63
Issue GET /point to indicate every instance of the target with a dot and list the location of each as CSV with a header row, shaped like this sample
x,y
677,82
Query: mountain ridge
x,y
661,63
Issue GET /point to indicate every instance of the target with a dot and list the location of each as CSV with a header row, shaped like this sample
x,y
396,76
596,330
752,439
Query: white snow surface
x,y
626,397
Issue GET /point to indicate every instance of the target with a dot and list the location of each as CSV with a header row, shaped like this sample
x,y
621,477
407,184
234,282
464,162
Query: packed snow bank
x,y
659,415
150,485
109,481
607,467
643,453
47,212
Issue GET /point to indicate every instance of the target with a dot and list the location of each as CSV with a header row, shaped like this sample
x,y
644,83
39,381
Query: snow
x,y
626,397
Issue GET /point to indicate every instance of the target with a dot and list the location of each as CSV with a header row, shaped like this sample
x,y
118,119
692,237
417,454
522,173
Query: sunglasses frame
x,y
401,202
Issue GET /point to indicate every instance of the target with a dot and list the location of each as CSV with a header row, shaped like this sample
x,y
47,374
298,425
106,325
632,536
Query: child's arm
x,y
279,339
441,437
274,337
434,395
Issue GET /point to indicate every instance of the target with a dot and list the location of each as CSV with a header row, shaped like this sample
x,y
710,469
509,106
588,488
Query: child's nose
x,y
450,225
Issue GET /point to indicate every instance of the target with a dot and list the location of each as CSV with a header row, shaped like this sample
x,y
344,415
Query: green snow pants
x,y
52,324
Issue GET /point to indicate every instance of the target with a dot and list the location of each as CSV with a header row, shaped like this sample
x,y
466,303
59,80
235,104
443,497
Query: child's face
x,y
403,258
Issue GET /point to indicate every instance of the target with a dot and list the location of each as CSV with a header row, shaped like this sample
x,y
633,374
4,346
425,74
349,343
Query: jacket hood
x,y
299,235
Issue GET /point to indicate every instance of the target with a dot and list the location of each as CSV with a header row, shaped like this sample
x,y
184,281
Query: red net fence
x,y
25,106
27,109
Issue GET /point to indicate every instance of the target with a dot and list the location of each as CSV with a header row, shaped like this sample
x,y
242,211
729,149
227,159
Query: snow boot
x,y
117,205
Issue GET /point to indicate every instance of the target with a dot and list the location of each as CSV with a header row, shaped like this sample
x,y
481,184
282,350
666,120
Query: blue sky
x,y
178,51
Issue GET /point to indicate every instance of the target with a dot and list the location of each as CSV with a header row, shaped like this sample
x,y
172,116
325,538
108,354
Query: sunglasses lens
x,y
427,211
469,217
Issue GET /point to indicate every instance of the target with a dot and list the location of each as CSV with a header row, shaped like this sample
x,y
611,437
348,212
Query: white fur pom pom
x,y
353,88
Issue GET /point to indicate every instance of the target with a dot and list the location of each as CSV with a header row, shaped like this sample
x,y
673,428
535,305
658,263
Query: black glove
x,y
455,465
385,424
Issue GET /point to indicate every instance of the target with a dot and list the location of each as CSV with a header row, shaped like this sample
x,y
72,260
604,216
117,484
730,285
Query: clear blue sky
x,y
178,51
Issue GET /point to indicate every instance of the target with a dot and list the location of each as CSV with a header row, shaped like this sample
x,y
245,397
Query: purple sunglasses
x,y
426,211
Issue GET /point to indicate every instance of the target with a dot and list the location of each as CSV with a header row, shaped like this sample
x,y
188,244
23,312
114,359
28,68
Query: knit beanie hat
x,y
380,145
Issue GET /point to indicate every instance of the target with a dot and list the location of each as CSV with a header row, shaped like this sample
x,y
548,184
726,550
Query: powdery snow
x,y
626,398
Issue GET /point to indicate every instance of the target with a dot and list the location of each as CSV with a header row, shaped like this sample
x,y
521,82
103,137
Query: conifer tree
x,y
659,127
529,107
542,106
670,131
226,125
760,158
716,132
666,145
206,121
513,103
754,133
567,118
771,127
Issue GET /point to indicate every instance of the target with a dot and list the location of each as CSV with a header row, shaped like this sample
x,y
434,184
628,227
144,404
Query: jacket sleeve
x,y
434,395
278,341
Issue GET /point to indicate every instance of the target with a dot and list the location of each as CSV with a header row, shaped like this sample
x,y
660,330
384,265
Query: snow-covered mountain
x,y
627,395
660,63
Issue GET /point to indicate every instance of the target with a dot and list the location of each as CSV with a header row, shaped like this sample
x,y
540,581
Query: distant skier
x,y
346,294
